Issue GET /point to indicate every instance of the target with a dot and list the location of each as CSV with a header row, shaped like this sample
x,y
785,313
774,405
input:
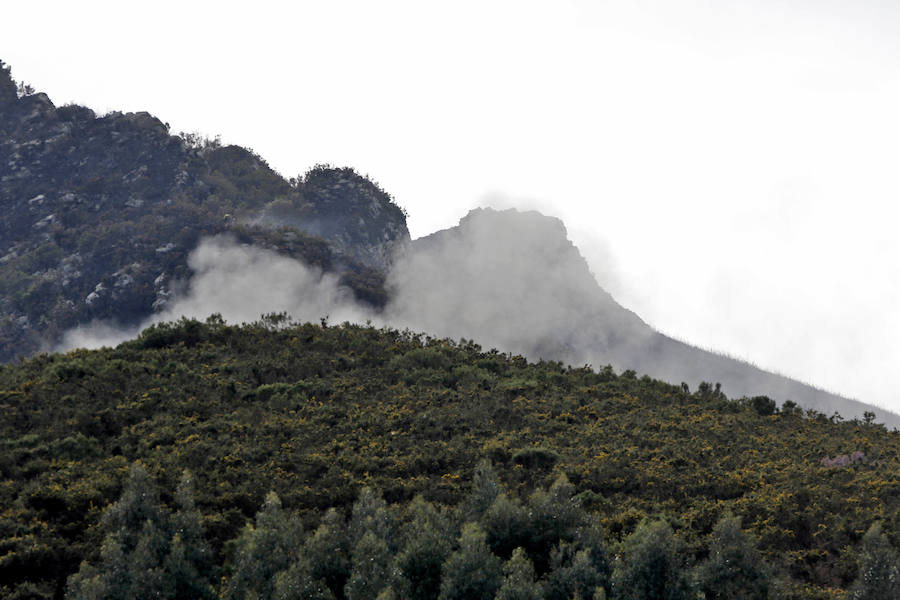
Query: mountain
x,y
201,458
101,216
100,213
514,281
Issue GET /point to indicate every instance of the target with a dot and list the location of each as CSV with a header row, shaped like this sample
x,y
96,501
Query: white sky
x,y
730,168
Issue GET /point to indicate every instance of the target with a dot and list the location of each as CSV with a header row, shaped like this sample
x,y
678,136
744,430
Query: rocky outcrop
x,y
99,213
356,216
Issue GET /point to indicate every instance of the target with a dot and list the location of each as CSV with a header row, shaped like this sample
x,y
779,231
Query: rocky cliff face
x,y
99,214
355,216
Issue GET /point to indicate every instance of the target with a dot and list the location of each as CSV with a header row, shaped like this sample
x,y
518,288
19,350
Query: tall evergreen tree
x,y
427,545
507,525
879,568
555,516
485,489
650,566
734,569
328,552
371,569
370,514
133,549
188,565
472,572
298,581
518,579
263,550
572,574
590,537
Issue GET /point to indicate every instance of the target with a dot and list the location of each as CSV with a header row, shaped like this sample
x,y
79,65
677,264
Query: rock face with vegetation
x,y
99,214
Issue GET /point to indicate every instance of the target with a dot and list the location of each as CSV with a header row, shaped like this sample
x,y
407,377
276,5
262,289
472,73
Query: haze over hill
x,y
111,223
506,279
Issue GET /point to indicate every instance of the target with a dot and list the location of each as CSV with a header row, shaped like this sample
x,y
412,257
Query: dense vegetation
x,y
315,414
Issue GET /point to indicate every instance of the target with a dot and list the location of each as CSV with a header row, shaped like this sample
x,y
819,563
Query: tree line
x,y
493,546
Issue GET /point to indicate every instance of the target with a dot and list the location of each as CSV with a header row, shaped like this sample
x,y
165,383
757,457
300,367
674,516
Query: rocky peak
x,y
95,209
353,213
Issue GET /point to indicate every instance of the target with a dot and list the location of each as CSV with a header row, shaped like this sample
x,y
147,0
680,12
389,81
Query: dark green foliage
x,y
553,515
519,580
879,568
763,405
370,571
572,574
734,569
370,515
651,566
189,564
262,551
133,549
145,553
328,552
507,524
485,489
590,538
536,458
428,544
472,572
298,581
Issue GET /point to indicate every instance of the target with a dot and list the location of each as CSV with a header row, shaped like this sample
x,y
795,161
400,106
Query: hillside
x,y
100,214
314,413
513,280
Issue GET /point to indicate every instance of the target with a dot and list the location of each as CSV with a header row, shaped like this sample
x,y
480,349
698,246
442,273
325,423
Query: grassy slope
x,y
316,412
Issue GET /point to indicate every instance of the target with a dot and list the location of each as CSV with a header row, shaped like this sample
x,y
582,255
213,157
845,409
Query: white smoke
x,y
508,280
241,283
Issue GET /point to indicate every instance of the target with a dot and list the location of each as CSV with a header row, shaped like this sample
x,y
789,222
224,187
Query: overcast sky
x,y
730,169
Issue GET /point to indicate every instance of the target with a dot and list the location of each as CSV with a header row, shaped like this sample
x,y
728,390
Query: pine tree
x,y
427,545
734,569
485,489
298,581
572,573
472,572
188,565
555,517
138,505
590,537
650,567
370,514
263,550
133,549
328,552
507,525
370,571
518,579
879,568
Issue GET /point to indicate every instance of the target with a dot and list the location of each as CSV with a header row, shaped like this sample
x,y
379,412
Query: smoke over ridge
x,y
241,283
506,279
